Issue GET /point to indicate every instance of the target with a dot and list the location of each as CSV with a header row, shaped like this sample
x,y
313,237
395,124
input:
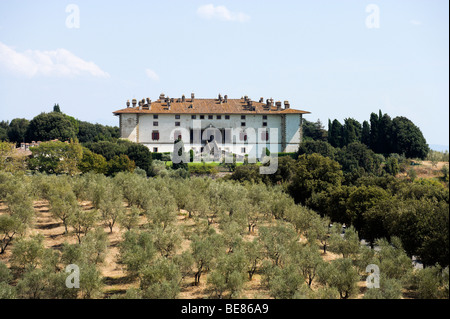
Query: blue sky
x,y
327,57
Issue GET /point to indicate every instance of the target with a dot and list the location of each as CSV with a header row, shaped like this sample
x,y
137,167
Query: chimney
x,y
162,97
140,105
220,97
286,104
168,104
183,98
278,104
245,98
192,97
261,100
225,98
134,101
128,103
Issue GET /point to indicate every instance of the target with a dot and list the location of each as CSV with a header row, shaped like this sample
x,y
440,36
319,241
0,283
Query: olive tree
x,y
82,221
204,251
18,217
160,280
136,250
276,240
63,202
228,274
340,274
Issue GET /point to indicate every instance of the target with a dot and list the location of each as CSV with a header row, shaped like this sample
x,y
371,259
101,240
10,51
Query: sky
x,y
335,58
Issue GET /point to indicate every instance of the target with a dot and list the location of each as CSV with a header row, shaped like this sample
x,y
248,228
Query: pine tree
x,y
365,134
335,134
374,132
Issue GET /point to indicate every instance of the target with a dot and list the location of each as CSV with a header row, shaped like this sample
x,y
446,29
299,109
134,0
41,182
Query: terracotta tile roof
x,y
207,106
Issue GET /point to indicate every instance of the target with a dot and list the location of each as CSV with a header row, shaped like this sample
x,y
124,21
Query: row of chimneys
x,y
165,99
141,103
162,97
224,99
268,105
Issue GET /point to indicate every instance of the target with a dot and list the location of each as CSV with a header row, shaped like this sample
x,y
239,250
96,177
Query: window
x,y
264,136
193,117
155,116
210,117
177,123
227,117
242,149
264,123
177,116
155,135
243,136
219,117
242,123
155,123
242,117
155,150
177,135
264,117
202,117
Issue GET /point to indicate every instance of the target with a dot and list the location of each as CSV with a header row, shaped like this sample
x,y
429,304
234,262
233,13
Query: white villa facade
x,y
221,125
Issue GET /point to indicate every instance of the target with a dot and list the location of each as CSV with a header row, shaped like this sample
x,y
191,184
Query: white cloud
x,y
152,74
57,63
415,22
209,11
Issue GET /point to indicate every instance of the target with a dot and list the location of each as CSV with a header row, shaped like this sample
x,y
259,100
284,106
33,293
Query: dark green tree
x,y
375,134
351,131
408,139
107,149
4,125
317,146
89,132
120,163
386,137
50,126
356,155
91,162
365,133
314,130
335,134
141,156
314,174
17,130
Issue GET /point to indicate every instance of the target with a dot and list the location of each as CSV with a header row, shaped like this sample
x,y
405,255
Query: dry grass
x,y
427,170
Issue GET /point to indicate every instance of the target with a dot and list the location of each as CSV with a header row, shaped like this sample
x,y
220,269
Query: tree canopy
x,y
50,126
